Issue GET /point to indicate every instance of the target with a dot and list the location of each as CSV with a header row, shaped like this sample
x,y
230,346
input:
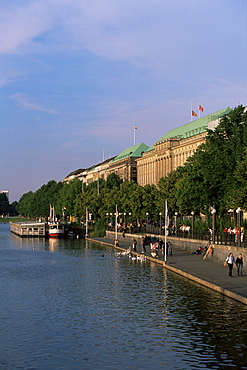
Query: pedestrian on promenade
x,y
134,243
162,247
143,245
241,234
169,248
239,264
230,261
116,243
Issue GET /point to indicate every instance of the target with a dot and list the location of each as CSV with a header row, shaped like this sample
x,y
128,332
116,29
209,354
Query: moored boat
x,y
55,230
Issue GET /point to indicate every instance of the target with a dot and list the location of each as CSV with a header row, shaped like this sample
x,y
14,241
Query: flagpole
x,y
134,135
191,117
199,108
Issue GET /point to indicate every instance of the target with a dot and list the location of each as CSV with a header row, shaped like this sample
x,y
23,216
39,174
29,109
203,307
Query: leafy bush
x,y
99,228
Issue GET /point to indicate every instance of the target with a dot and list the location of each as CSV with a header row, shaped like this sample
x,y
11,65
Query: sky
x,y
76,76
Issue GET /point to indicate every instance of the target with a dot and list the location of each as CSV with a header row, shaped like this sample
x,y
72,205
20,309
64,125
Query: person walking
x,y
134,244
230,261
170,248
239,264
143,245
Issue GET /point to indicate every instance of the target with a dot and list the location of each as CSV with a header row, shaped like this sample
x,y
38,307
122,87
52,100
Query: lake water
x,y
71,304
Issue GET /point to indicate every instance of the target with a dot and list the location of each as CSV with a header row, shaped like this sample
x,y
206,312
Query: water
x,y
71,304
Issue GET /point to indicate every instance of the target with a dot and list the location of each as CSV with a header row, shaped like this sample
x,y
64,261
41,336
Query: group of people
x,y
155,246
235,232
230,261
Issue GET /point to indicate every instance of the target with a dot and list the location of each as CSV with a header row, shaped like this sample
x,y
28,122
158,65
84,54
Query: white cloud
x,y
21,24
24,102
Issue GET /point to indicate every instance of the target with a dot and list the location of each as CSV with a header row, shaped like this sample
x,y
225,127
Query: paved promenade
x,y
192,266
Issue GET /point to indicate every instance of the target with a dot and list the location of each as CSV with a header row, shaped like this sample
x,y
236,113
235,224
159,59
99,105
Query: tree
x,y
209,179
168,189
238,195
4,203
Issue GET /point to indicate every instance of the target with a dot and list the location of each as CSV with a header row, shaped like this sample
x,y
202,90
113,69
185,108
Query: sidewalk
x,y
192,266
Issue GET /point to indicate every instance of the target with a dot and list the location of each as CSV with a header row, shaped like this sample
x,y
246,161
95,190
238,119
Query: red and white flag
x,y
201,108
135,127
194,114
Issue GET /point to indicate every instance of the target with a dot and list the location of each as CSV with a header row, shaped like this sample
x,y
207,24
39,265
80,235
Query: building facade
x,y
174,148
146,165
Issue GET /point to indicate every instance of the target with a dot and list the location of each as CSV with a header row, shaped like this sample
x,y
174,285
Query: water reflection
x,y
80,307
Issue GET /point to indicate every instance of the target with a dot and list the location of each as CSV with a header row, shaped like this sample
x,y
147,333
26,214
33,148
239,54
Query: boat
x,y
55,228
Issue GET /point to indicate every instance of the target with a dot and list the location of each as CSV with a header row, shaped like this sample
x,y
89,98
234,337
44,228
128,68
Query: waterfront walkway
x,y
192,266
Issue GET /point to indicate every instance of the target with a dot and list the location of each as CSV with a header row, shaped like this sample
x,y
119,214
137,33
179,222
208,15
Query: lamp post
x,y
107,215
213,212
130,217
192,234
111,221
176,215
160,223
147,220
238,225
130,221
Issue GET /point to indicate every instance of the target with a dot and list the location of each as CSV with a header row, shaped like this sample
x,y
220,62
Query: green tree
x,y
168,189
209,175
4,204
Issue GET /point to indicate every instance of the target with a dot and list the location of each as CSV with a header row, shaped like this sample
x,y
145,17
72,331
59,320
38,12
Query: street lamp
x,y
238,225
130,221
160,221
213,212
130,217
147,220
192,214
107,215
176,215
111,221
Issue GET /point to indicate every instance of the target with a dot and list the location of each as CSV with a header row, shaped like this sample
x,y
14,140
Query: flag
x,y
194,114
201,108
135,127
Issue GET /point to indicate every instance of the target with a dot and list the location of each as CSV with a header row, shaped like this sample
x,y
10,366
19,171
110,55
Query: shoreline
x,y
181,258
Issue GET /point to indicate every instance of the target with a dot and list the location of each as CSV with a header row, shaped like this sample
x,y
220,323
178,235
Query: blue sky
x,y
78,75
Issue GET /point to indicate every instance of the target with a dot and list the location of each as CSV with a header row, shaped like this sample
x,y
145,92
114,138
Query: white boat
x,y
55,229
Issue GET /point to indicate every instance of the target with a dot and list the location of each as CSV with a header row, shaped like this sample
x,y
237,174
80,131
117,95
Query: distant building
x,y
174,148
124,165
6,192
77,174
146,165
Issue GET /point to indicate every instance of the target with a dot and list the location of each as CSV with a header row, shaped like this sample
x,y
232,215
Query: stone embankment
x,y
209,272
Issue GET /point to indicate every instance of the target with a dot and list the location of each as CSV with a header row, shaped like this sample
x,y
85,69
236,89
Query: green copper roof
x,y
133,151
195,127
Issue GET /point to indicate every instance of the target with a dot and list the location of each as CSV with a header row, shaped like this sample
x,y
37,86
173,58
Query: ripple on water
x,y
71,308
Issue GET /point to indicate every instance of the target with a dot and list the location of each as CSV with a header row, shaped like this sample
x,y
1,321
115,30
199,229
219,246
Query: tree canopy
x,y
215,176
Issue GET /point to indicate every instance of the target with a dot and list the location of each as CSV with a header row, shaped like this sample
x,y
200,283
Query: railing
x,y
223,238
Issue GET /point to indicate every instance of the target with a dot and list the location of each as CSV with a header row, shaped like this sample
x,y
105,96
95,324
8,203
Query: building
x,y
6,192
124,165
146,165
174,148
99,171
